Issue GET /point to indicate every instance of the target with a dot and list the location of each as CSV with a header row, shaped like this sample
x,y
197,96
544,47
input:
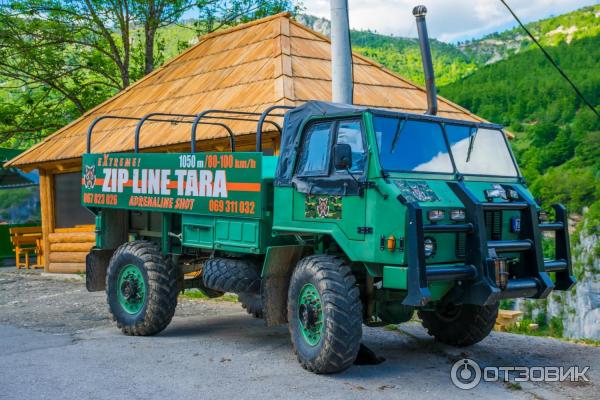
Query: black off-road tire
x,y
252,303
160,287
231,275
460,325
342,314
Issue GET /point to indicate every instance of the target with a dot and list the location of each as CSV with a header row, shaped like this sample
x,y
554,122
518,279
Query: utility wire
x,y
549,57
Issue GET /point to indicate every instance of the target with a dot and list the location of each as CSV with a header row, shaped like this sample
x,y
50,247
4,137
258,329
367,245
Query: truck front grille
x,y
460,247
493,225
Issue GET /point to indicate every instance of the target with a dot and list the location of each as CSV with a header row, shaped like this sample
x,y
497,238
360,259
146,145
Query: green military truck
x,y
364,217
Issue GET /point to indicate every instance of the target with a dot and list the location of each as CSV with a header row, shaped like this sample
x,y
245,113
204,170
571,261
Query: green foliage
x,y
198,295
558,138
507,304
403,56
11,197
548,246
527,89
553,327
59,58
20,206
513,386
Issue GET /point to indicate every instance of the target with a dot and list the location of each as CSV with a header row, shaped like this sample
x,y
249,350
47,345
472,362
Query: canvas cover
x,y
291,139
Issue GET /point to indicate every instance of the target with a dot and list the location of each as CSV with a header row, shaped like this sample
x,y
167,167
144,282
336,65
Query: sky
x,y
447,20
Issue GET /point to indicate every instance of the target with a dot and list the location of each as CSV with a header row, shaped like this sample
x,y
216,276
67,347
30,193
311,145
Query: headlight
x,y
457,215
435,215
429,245
495,194
512,194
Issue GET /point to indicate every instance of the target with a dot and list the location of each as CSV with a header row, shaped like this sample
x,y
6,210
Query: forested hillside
x,y
558,139
403,55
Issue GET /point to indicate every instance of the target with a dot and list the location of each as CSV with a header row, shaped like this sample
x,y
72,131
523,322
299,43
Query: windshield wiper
x,y
472,136
397,135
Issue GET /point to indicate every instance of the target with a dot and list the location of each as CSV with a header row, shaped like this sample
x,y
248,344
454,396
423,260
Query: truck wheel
x,y
324,314
252,303
231,275
460,325
141,289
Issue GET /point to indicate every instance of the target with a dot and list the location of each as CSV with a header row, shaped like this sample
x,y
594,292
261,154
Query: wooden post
x,y
47,209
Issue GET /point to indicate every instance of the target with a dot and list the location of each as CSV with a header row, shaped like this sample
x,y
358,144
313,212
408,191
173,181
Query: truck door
x,y
325,198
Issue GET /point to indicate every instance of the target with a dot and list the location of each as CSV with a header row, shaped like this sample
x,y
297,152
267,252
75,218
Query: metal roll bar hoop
x,y
261,121
138,128
88,147
241,116
148,117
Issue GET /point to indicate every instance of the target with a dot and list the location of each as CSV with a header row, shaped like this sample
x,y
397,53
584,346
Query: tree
x,y
58,58
98,28
155,14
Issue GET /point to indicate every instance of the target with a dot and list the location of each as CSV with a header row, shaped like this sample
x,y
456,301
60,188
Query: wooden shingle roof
x,y
271,61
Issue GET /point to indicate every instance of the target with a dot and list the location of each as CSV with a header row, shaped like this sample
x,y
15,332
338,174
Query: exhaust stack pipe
x,y
432,107
341,53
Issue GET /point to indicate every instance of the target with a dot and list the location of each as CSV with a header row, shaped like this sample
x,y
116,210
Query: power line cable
x,y
549,57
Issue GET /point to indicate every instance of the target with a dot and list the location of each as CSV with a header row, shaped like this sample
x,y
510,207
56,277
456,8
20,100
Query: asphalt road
x,y
57,343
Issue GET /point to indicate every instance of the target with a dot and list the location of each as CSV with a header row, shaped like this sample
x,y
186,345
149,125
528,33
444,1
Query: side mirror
x,y
342,156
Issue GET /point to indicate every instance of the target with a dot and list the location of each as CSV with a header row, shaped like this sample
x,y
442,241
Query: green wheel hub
x,y
310,314
131,289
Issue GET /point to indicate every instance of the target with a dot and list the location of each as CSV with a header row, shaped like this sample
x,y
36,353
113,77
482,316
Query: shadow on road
x,y
408,351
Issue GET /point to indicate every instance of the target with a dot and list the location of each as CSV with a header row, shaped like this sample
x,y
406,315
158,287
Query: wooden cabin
x,y
272,61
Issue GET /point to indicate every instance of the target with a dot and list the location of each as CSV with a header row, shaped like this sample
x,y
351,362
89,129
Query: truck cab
x,y
429,205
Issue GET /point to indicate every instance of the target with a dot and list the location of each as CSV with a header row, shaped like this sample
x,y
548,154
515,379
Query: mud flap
x,y
96,264
280,262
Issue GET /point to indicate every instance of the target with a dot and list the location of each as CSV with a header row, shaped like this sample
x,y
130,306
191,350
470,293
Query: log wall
x,y
68,248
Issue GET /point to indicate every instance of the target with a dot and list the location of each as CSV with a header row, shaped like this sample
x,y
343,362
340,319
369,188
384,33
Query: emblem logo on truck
x,y
90,177
323,207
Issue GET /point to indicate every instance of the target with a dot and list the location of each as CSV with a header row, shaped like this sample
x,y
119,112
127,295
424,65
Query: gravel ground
x,y
57,342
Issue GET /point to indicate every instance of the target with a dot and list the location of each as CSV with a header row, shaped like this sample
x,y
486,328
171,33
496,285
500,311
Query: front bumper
x,y
477,277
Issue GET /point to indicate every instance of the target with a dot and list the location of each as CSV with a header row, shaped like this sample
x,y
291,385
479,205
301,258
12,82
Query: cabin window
x,y
350,132
314,160
67,202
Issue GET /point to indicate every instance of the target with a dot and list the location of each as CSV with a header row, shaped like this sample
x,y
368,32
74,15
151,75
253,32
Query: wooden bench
x,y
27,241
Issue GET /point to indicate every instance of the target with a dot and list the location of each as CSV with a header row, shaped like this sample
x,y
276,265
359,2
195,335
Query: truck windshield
x,y
480,151
419,146
411,146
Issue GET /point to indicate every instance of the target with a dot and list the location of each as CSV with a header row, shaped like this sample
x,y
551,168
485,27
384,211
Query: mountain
x,y
400,54
456,61
404,56
553,31
317,24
